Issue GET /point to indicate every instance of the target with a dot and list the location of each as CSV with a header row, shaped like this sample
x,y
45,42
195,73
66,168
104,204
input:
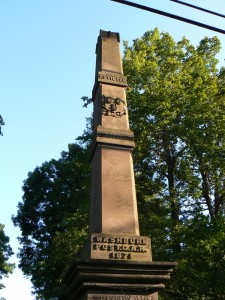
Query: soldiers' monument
x,y
116,263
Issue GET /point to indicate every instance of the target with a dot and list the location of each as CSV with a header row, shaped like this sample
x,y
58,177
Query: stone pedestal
x,y
113,280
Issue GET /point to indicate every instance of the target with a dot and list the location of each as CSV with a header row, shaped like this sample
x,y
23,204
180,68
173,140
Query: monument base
x,y
116,280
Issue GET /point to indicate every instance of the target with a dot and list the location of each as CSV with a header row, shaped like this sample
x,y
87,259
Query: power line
x,y
199,8
159,12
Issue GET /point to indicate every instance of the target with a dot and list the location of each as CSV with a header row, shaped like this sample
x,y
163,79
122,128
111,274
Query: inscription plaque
x,y
120,297
120,247
112,78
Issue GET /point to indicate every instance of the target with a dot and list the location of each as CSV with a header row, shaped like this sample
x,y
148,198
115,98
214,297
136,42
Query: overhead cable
x,y
163,13
199,8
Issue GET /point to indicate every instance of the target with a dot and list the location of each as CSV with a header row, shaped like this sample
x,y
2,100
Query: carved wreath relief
x,y
114,107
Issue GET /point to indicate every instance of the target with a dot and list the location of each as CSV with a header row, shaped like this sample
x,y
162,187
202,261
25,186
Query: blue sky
x,y
47,63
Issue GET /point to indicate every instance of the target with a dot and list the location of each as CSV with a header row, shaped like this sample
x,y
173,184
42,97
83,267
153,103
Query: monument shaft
x,y
113,195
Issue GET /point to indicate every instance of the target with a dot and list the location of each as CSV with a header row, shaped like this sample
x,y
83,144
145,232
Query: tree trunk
x,y
206,193
170,159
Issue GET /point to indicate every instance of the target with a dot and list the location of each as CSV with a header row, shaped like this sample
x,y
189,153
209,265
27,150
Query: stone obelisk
x,y
116,262
113,215
113,197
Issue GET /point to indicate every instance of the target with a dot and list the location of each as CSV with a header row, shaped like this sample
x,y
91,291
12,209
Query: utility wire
x,y
163,13
199,8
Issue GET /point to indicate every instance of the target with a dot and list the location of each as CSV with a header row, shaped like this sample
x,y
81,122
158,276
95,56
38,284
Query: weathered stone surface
x,y
114,206
121,297
108,53
111,277
120,247
106,136
113,195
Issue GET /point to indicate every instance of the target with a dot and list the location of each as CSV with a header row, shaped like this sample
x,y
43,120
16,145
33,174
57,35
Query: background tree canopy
x,y
53,218
5,253
177,112
5,249
2,123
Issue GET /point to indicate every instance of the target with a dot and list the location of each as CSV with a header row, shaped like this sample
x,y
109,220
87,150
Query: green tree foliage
x,y
5,249
53,218
5,253
177,111
2,123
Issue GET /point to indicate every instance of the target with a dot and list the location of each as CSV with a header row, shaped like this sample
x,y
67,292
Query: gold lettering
x,y
103,247
143,249
98,238
138,241
116,248
105,239
123,255
119,240
112,240
132,249
119,255
110,248
112,78
96,246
